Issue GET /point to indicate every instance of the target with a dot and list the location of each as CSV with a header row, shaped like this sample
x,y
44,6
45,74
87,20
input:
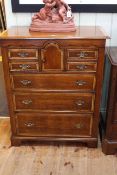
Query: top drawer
x,y
23,53
82,54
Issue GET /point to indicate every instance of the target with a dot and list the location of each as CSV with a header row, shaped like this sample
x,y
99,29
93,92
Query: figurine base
x,y
52,27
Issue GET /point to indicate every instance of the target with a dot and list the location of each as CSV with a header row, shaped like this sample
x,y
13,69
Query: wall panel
x,y
114,30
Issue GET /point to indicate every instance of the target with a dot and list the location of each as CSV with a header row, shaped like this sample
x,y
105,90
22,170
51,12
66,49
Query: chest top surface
x,y
82,32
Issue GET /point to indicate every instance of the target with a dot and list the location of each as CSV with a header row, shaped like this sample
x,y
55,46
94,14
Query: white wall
x,y
107,20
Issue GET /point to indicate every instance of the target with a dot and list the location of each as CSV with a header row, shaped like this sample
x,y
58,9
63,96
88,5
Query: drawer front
x,y
46,82
23,53
82,54
22,66
54,102
54,124
82,66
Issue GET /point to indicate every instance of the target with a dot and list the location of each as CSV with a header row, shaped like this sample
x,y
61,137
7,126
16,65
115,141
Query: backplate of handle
x,y
82,54
24,66
25,82
81,67
79,125
26,102
80,103
23,54
29,124
81,83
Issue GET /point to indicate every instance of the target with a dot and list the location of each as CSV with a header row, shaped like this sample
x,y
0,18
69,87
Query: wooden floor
x,y
51,160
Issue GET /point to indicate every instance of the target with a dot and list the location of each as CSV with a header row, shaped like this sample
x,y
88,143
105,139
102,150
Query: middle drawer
x,y
75,102
48,82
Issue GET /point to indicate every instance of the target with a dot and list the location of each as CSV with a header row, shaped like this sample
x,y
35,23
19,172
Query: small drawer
x,y
82,66
82,54
23,54
54,124
22,66
54,102
57,82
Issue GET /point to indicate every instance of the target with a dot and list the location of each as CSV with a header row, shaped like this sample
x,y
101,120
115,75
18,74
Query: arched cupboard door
x,y
52,58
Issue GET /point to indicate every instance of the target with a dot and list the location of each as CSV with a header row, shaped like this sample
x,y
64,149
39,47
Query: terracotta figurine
x,y
45,12
63,8
55,16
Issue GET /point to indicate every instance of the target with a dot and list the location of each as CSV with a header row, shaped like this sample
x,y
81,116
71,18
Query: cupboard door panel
x,y
52,58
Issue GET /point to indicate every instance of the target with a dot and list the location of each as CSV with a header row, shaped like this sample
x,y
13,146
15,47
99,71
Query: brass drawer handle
x,y
29,124
80,103
81,83
23,54
26,82
79,125
81,67
82,54
24,66
26,102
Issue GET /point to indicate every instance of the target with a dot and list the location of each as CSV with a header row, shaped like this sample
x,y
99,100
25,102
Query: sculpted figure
x,y
55,16
45,11
63,8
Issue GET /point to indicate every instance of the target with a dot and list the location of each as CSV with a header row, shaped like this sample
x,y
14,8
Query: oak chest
x,y
53,84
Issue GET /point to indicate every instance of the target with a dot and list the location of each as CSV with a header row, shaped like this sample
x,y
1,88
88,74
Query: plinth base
x,y
52,27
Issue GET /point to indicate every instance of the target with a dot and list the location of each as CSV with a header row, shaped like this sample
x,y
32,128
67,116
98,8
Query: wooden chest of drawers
x,y
108,124
53,84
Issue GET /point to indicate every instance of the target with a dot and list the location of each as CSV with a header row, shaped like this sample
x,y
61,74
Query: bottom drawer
x,y
54,124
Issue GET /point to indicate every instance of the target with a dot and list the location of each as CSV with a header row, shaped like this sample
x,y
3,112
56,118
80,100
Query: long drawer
x,y
75,102
46,82
54,124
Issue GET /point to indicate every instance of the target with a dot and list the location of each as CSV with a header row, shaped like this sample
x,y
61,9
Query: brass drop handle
x,y
25,82
79,125
80,103
82,54
24,66
26,102
23,54
29,124
81,67
81,83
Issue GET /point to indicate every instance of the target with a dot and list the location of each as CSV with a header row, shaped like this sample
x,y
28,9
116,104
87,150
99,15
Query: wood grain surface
x,y
23,32
52,88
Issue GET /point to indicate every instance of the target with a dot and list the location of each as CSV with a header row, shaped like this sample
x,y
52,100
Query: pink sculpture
x,y
55,16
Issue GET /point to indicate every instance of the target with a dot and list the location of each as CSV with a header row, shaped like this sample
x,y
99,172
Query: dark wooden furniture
x,y
53,83
109,118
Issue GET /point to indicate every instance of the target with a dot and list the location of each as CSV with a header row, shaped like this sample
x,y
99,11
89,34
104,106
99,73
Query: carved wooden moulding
x,y
55,16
